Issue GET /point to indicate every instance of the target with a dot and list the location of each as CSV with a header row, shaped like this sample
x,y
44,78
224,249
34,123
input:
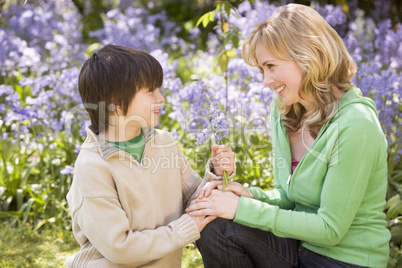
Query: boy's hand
x,y
223,158
233,187
202,221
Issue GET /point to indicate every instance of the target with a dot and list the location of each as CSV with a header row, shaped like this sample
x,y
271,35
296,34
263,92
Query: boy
x,y
127,207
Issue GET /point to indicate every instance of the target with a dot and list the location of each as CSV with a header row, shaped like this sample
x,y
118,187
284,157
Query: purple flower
x,y
207,105
67,170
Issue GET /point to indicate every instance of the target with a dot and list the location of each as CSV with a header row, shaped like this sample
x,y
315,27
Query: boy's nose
x,y
160,97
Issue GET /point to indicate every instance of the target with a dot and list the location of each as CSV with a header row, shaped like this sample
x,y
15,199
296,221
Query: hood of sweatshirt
x,y
354,95
94,143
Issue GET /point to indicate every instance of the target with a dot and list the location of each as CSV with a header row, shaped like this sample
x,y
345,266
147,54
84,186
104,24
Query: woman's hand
x,y
218,203
233,187
223,158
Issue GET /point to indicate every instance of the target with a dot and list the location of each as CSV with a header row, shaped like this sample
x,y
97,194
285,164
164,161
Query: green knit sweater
x,y
334,200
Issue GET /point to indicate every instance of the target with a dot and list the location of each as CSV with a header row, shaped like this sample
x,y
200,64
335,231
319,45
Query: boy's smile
x,y
156,110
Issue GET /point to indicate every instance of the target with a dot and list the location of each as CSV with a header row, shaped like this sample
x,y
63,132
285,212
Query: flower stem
x,y
225,181
213,130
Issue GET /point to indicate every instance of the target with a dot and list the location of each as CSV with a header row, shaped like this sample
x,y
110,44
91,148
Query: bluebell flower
x,y
40,40
67,170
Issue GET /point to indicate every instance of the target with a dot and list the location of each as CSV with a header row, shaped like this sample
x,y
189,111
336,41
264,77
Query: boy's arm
x,y
112,237
102,220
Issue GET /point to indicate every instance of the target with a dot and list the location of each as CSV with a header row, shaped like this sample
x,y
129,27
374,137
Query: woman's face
x,y
283,76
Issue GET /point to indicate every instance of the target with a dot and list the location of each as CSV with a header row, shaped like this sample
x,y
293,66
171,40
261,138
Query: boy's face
x,y
144,108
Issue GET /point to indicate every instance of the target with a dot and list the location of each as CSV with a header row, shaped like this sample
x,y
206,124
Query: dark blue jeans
x,y
224,243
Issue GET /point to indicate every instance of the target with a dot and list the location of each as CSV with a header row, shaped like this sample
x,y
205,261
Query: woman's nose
x,y
268,80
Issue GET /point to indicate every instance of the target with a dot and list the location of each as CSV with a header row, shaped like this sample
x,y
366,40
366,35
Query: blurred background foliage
x,y
44,43
186,12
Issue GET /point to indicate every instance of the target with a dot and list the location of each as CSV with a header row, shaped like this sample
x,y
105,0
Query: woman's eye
x,y
270,66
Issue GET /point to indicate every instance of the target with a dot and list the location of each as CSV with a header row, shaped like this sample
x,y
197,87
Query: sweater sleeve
x,y
98,216
276,196
114,239
359,149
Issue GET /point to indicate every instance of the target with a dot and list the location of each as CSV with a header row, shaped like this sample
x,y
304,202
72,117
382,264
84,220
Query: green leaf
x,y
393,201
227,8
254,139
223,62
226,40
205,19
231,53
394,207
92,48
28,209
7,203
201,19
211,15
20,197
396,233
27,172
223,59
235,41
5,214
2,191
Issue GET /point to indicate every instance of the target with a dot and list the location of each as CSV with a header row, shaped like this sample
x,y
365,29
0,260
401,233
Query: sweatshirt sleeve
x,y
276,196
359,150
113,238
98,216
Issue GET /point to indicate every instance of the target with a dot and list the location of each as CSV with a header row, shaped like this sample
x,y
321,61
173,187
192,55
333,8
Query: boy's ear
x,y
118,110
115,109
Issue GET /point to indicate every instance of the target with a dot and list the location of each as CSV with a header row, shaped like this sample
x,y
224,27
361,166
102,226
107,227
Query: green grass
x,y
192,257
25,247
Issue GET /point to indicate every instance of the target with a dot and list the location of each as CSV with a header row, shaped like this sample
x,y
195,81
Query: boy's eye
x,y
151,90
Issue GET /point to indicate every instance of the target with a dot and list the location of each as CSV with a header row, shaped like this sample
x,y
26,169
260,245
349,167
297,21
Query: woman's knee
x,y
212,229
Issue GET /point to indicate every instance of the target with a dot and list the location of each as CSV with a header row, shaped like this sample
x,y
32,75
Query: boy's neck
x,y
112,133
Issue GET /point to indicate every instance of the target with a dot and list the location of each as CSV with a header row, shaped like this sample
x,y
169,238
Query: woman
x,y
330,167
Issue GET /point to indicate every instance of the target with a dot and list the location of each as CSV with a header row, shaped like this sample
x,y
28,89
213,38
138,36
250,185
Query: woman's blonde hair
x,y
298,33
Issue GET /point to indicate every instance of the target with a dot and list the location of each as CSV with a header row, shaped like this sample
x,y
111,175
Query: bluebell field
x,y
42,49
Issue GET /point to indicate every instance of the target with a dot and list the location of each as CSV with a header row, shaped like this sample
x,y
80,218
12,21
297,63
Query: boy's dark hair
x,y
112,76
